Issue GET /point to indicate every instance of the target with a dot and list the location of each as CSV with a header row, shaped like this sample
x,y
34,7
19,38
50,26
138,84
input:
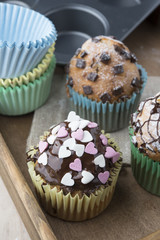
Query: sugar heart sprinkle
x,y
111,153
92,125
78,135
67,180
100,161
43,158
62,132
90,148
42,146
103,177
104,139
87,177
64,152
76,165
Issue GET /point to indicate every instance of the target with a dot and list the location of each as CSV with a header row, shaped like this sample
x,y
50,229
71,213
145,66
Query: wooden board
x,y
131,209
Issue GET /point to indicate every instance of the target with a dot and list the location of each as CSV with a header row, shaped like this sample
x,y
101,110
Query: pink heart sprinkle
x,y
104,139
42,146
90,148
111,153
103,177
62,132
92,124
76,165
78,135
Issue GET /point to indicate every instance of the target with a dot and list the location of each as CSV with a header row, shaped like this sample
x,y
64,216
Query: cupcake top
x,y
146,125
75,156
104,69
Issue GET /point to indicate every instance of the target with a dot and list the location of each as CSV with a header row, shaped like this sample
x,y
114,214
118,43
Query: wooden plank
x,y
32,215
153,236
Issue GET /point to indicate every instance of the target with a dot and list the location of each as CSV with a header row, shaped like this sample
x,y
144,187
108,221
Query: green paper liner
x,y
109,116
26,98
74,208
145,170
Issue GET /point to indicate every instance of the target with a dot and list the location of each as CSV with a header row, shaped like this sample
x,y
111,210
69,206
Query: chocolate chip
x,y
96,39
133,58
118,69
105,58
92,76
117,91
83,54
105,97
87,90
77,51
70,81
126,55
80,63
140,72
136,83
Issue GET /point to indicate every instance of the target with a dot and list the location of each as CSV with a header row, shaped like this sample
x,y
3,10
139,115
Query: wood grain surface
x,y
26,203
132,208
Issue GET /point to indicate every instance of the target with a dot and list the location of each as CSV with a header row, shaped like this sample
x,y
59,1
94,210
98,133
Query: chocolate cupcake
x,y
104,82
74,169
145,144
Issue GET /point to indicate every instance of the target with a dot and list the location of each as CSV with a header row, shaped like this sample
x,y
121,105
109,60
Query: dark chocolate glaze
x,y
154,144
56,168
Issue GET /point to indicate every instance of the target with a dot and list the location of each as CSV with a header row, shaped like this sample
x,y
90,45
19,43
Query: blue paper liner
x,y
26,98
110,116
26,36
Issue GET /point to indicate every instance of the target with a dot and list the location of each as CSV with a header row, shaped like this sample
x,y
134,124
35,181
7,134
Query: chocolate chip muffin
x,y
74,169
145,144
104,71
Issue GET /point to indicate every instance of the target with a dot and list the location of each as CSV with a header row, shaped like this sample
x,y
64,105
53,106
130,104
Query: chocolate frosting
x,y
146,125
56,167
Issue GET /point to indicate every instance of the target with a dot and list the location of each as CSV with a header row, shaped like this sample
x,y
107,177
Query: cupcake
x,y
74,169
145,144
104,82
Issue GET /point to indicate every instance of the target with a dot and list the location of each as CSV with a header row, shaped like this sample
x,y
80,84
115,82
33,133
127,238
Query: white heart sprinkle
x,y
72,117
83,123
87,177
70,143
74,125
51,139
100,161
67,180
55,130
79,149
64,152
87,137
43,158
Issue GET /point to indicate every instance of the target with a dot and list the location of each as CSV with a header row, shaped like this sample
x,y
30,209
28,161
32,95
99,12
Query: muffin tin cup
x,y
74,208
110,117
145,170
32,75
26,36
26,98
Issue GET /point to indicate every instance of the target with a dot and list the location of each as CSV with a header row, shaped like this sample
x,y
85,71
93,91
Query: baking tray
x,y
78,20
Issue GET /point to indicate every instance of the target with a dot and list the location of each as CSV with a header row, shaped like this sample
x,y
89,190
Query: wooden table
x,y
144,42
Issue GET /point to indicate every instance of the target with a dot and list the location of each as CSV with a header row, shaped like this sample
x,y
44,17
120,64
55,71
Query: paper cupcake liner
x,y
145,170
74,208
110,117
25,38
30,76
26,98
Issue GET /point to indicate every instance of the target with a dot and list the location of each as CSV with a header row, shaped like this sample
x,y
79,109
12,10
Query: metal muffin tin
x,y
78,20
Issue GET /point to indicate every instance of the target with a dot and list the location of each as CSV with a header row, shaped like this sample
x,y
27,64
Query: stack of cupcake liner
x,y
27,59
